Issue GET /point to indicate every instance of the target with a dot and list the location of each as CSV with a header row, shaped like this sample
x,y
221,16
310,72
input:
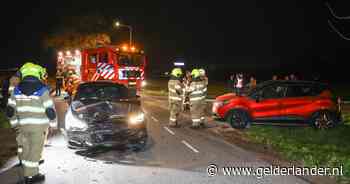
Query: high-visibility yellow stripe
x,y
177,87
28,163
172,119
30,109
197,98
33,121
25,97
48,103
172,90
197,92
175,98
196,120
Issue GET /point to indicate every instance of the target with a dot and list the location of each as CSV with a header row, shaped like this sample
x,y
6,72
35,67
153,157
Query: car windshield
x,y
101,91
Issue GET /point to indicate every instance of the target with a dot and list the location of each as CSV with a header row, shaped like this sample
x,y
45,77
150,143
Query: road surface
x,y
173,155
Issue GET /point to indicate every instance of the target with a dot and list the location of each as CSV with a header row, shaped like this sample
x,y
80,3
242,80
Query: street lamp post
x,y
118,24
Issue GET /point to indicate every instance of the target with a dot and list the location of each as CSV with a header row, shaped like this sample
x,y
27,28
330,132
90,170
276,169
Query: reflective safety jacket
x,y
205,83
175,88
31,109
197,90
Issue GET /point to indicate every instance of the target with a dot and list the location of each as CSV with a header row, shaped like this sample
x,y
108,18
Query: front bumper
x,y
109,137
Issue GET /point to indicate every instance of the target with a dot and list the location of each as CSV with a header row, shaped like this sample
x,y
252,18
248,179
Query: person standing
x,y
175,88
252,83
196,95
30,110
231,83
59,82
204,82
239,84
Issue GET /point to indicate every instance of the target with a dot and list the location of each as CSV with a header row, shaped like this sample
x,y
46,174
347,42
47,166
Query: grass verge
x,y
7,140
303,146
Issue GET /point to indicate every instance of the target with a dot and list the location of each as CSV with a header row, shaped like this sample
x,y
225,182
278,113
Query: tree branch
x,y
337,31
335,15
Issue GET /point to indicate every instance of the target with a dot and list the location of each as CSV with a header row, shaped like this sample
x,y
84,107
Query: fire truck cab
x,y
120,64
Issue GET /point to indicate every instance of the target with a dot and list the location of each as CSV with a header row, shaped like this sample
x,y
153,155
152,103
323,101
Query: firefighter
x,y
30,110
175,88
203,81
59,82
196,95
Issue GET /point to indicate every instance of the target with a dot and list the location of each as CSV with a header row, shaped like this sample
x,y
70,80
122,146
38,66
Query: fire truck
x,y
121,64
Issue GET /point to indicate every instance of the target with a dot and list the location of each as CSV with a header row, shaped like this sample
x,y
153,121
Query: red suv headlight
x,y
216,105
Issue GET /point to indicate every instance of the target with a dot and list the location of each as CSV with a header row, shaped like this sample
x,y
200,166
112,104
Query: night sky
x,y
248,35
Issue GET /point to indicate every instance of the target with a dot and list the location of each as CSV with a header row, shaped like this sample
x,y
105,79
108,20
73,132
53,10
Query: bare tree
x,y
338,18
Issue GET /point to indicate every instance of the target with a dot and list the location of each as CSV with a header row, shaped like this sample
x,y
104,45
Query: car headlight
x,y
143,83
137,119
72,122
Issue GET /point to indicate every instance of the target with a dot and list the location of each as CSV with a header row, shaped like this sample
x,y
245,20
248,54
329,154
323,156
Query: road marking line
x,y
189,146
170,131
154,119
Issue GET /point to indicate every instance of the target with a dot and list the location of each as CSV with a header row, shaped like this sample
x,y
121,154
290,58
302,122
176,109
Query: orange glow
x,y
125,47
133,48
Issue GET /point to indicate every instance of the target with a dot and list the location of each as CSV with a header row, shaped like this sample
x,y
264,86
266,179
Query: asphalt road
x,y
173,155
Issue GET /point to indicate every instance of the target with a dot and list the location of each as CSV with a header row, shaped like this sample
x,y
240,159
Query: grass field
x,y
310,147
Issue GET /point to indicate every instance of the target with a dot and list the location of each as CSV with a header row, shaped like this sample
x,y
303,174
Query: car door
x,y
267,103
298,101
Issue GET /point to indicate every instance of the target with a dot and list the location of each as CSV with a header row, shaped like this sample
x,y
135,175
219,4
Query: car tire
x,y
238,119
140,145
323,120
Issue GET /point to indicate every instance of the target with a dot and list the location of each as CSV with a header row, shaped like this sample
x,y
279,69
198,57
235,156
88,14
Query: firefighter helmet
x,y
195,73
176,72
31,69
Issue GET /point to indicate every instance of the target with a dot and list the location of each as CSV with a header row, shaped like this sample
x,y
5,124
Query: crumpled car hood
x,y
101,110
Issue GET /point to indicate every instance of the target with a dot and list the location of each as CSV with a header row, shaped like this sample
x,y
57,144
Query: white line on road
x,y
154,119
170,131
189,146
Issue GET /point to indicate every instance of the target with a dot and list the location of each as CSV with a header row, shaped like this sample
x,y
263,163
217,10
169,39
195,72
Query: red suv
x,y
273,101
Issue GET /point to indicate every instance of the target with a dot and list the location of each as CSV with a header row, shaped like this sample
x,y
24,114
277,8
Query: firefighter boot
x,y
34,179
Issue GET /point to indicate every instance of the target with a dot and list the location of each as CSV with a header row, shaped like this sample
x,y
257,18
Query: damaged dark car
x,y
105,114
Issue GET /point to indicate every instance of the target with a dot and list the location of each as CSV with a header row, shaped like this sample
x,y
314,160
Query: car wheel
x,y
323,120
139,146
238,119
